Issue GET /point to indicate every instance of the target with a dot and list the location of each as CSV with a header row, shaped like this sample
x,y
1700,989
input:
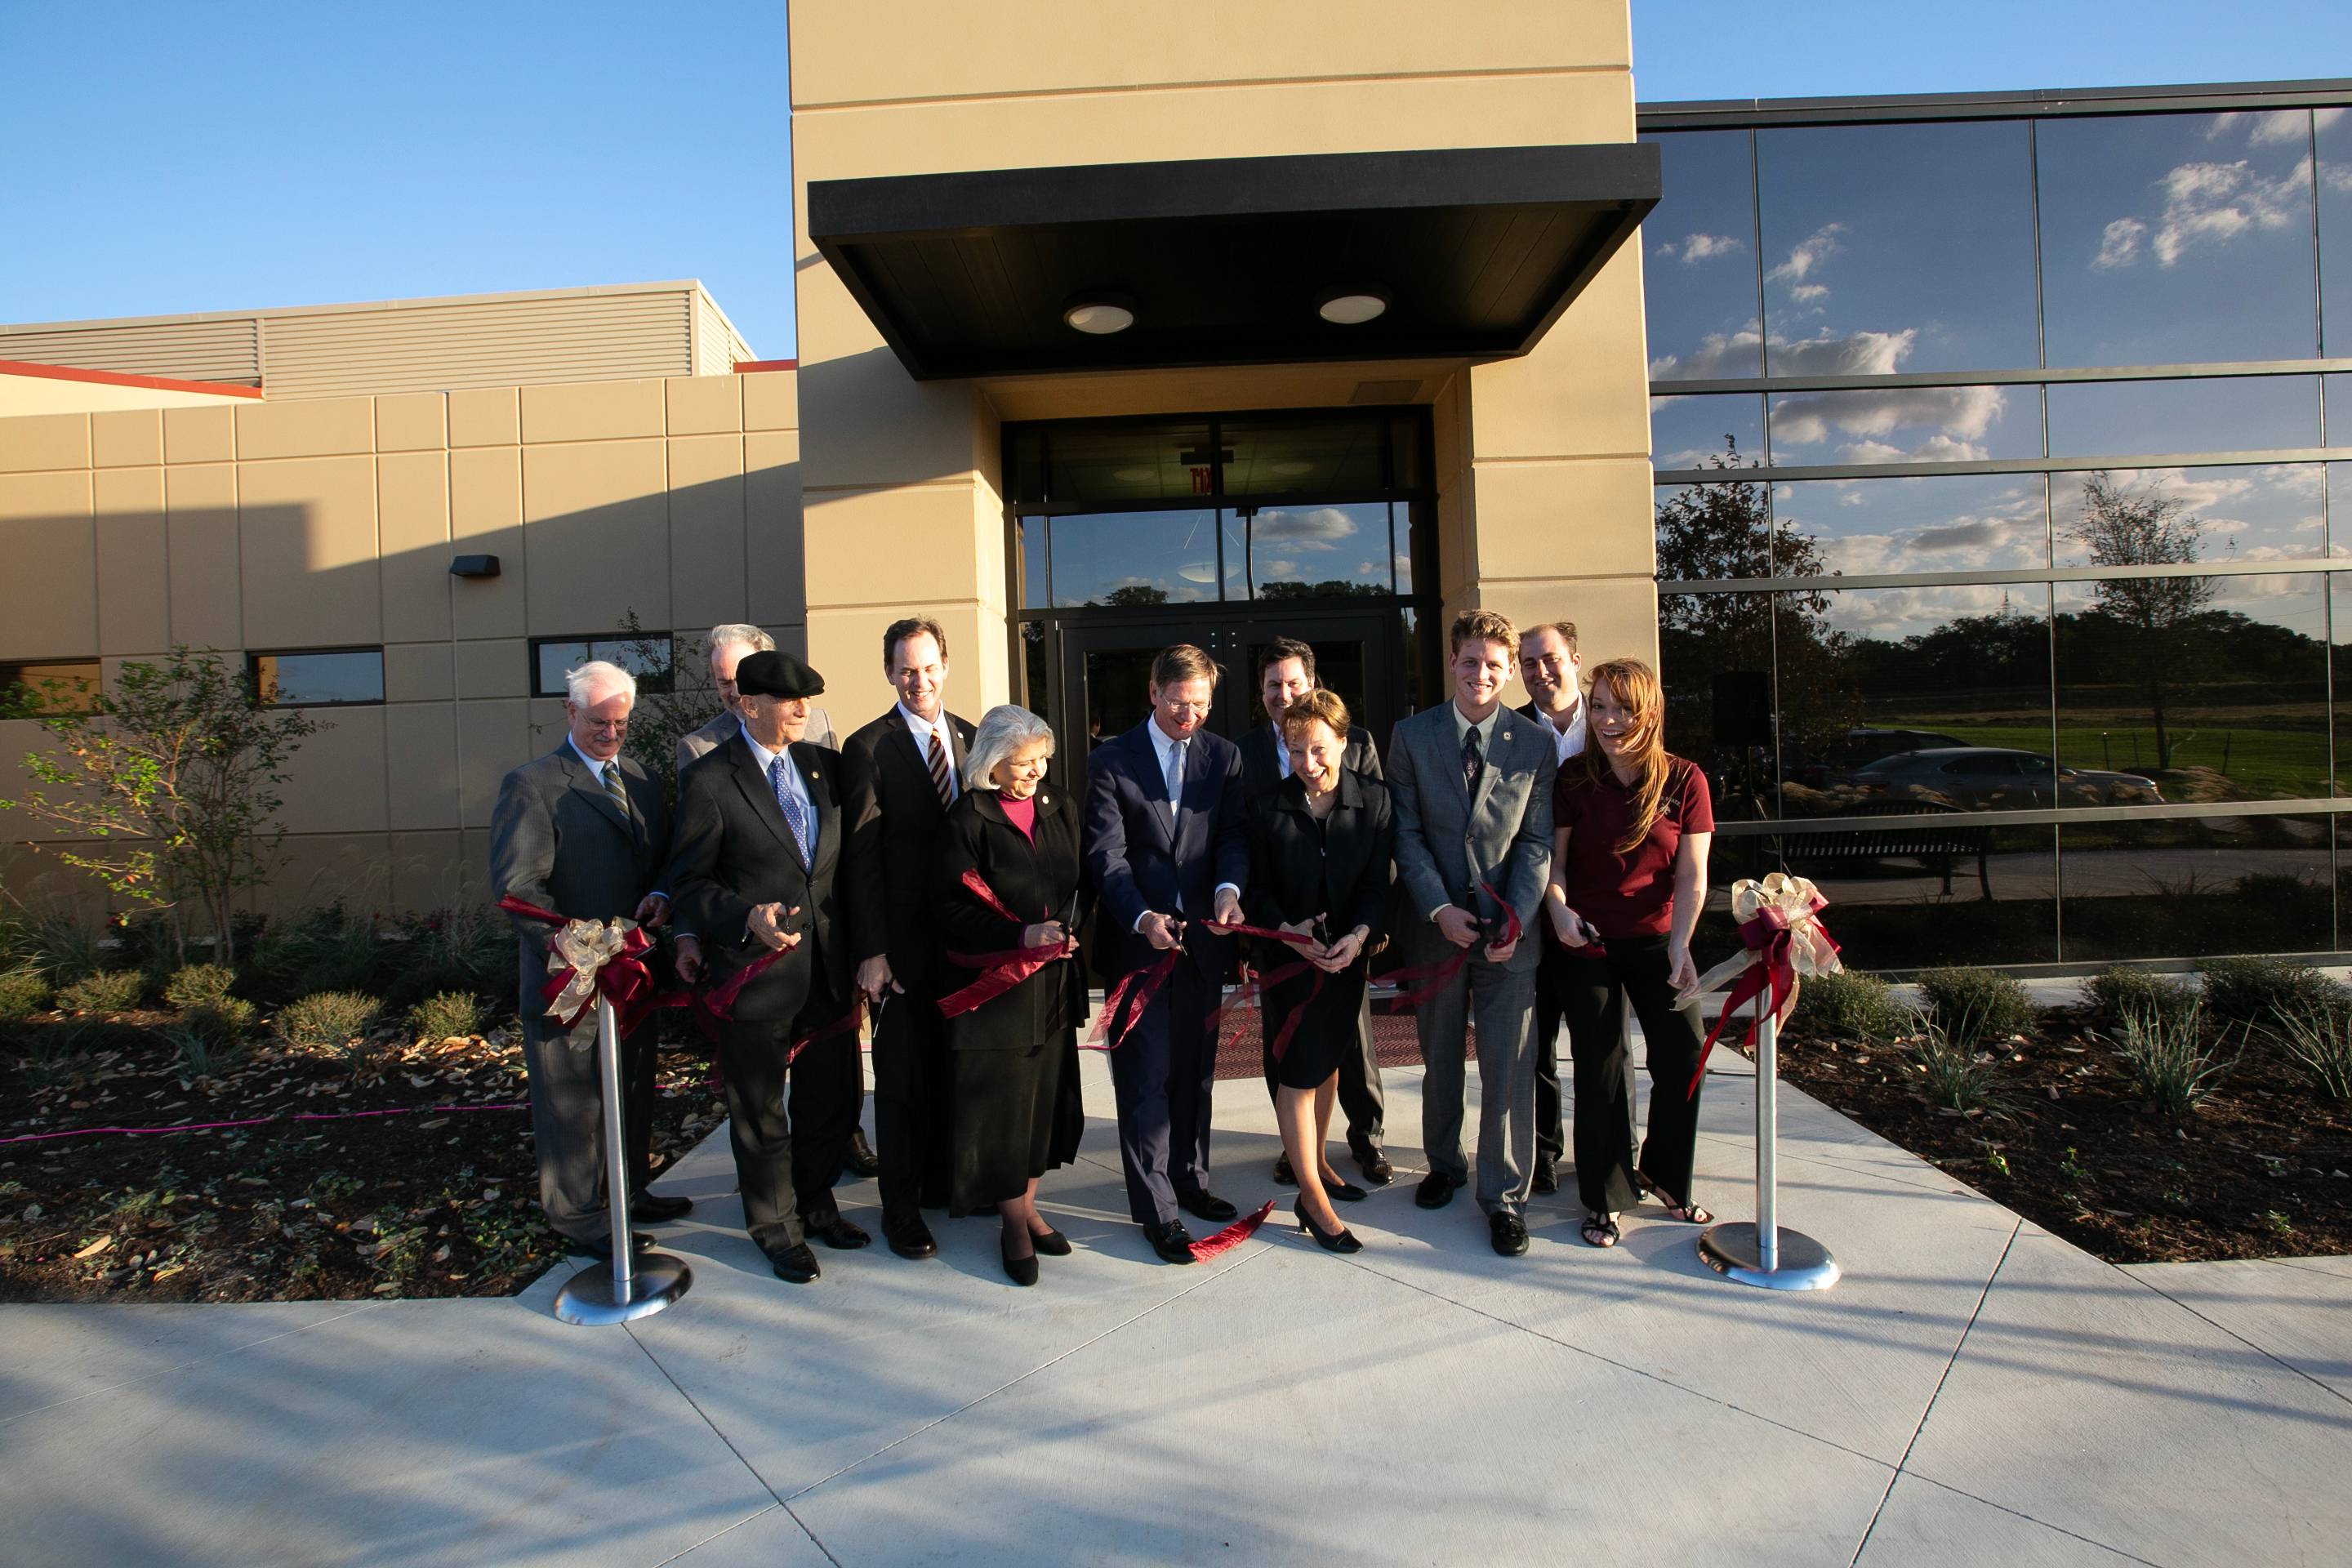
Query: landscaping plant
x,y
2119,987
107,992
2168,1057
1958,1076
1853,1007
2317,1037
1974,1004
2256,990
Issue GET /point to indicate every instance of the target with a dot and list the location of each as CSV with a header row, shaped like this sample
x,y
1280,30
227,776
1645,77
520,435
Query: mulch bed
x,y
2262,1168
434,1200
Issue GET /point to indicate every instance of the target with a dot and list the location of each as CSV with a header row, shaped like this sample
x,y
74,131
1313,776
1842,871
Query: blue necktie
x,y
1176,777
795,814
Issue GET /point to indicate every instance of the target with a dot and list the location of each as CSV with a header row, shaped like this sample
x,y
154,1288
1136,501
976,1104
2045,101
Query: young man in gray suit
x,y
729,644
1472,782
584,832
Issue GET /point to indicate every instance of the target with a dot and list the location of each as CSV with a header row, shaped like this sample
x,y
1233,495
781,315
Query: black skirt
x,y
1017,1116
1326,1030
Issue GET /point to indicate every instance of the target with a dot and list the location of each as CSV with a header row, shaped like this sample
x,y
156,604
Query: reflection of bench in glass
x,y
1936,848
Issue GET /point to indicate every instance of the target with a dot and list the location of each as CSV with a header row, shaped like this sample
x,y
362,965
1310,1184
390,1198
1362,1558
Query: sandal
x,y
1688,1212
1600,1230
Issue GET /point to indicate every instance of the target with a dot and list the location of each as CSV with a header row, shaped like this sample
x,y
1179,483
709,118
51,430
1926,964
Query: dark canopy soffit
x,y
1478,250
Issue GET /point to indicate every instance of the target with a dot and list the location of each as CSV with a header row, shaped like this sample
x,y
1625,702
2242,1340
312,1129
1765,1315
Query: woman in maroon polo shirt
x,y
1628,880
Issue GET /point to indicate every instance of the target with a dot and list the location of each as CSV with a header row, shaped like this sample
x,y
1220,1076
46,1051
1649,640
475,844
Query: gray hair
x,y
1004,731
582,685
735,631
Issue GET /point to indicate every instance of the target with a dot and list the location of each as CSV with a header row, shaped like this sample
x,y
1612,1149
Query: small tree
x,y
173,774
2125,527
676,696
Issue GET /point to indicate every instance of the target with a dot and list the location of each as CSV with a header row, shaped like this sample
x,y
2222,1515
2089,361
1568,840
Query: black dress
x,y
1300,867
1017,1108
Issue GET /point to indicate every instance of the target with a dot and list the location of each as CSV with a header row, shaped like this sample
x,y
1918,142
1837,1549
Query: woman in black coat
x,y
1320,844
1017,1108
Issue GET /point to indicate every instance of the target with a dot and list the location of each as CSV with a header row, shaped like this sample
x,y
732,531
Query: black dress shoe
x,y
1206,1204
1283,1177
1436,1190
1346,1191
1341,1240
861,1162
601,1247
1019,1271
1547,1177
795,1265
1510,1234
1376,1168
909,1237
1053,1244
654,1208
837,1233
1171,1241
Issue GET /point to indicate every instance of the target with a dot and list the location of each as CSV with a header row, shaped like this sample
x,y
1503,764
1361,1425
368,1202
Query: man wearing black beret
x,y
756,852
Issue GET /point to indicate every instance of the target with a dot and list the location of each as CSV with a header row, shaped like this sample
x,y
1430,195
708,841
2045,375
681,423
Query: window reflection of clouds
x,y
1906,425
2333,141
1963,522
1689,432
2214,413
2254,512
1896,248
1698,273
1292,548
2177,239
1135,558
2339,510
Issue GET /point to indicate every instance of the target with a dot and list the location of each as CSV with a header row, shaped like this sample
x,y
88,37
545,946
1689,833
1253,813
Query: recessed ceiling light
x,y
1352,306
1099,315
1292,467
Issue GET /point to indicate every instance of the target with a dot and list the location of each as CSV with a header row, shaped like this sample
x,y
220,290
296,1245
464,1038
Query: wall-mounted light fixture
x,y
474,566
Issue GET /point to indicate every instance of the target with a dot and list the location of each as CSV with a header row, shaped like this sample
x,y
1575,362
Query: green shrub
x,y
61,951
468,948
199,985
1958,1076
323,949
220,1022
446,1014
2117,988
2167,1056
2317,1037
1972,1004
1853,1007
203,1054
108,991
328,1019
2257,990
24,991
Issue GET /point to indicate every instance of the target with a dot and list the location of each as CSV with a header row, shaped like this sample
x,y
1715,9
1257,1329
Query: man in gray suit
x,y
729,644
1472,782
584,832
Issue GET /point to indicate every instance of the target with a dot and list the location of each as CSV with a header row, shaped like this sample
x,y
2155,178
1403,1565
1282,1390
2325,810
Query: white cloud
x,y
1696,247
2209,203
1718,355
1320,529
2283,125
1954,420
1855,353
1806,293
1807,253
2119,244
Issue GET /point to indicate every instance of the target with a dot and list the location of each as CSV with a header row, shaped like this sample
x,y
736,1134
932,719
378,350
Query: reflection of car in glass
x,y
1861,747
1991,778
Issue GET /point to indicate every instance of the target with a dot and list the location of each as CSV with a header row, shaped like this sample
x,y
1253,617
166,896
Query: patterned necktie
x,y
1176,777
795,814
942,776
1474,762
619,791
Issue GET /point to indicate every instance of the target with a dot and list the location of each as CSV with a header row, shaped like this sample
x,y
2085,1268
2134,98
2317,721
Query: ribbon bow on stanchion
x,y
586,959
1782,939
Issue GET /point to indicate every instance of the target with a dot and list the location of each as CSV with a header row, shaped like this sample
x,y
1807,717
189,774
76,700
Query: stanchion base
x,y
655,1281
1729,1250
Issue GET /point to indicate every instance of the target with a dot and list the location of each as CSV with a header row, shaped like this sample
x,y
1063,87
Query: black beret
x,y
776,673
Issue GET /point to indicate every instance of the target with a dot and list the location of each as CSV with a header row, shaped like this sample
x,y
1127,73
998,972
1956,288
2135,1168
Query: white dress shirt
x,y
793,784
1164,750
1569,742
923,730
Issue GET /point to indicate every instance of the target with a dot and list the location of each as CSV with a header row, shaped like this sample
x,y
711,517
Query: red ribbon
x,y
1130,998
1259,986
1430,980
1768,937
1003,971
623,980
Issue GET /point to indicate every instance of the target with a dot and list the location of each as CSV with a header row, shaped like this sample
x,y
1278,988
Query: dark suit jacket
x,y
1137,860
1261,769
1342,870
559,841
722,728
733,850
897,830
1037,882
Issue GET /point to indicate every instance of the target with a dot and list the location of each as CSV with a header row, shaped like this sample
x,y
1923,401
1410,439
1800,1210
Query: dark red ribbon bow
x,y
624,980
1767,936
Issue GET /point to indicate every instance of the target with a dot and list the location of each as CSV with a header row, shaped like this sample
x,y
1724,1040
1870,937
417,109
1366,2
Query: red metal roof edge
x,y
749,366
118,378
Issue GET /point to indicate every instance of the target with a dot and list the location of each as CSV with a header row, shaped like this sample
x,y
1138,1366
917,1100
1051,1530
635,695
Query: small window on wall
x,y
62,686
647,656
318,678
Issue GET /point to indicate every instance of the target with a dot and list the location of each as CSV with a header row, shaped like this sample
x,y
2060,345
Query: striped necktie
x,y
942,775
795,812
619,791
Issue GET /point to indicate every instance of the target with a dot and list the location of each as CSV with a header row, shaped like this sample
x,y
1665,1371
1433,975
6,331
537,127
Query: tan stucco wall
x,y
1545,509
23,395
331,523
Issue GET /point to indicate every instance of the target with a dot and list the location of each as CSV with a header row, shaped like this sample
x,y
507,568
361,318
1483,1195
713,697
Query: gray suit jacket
x,y
723,729
1447,843
559,841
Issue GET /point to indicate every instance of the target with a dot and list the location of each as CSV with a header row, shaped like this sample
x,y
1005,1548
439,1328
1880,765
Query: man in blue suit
x,y
1164,846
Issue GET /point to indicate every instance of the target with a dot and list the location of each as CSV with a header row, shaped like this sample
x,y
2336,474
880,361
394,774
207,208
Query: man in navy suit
x,y
1164,846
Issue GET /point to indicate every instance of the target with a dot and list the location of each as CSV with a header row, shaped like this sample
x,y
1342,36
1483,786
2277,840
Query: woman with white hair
x,y
1009,906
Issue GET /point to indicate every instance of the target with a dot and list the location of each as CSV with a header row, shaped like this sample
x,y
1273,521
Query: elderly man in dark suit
x,y
1472,782
1286,672
1165,843
730,645
583,831
901,773
756,871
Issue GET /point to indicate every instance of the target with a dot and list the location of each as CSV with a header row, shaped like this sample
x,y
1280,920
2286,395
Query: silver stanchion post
x,y
634,1285
1762,1253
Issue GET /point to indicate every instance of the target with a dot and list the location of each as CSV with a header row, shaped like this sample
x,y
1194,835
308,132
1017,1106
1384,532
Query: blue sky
x,y
178,157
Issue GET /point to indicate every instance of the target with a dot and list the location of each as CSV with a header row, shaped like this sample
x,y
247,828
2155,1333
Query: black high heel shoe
x,y
1341,1240
1053,1244
1019,1271
1346,1191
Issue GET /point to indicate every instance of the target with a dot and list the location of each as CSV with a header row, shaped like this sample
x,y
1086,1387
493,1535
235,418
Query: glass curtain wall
x,y
1998,514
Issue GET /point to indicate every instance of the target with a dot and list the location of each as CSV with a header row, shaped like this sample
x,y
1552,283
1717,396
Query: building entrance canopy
x,y
1463,252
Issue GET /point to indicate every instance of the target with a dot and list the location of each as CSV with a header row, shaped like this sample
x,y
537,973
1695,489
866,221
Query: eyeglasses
x,y
608,726
1175,707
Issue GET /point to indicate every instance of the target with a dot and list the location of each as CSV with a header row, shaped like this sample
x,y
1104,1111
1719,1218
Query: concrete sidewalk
x,y
1975,1391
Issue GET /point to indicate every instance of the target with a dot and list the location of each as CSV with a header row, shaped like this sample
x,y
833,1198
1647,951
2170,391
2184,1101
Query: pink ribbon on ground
x,y
1770,938
1001,970
256,1121
1234,1235
1428,980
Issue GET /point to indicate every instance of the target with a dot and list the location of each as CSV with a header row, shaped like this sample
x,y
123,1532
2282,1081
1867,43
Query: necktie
x,y
1281,753
1176,777
942,776
795,814
1474,762
619,791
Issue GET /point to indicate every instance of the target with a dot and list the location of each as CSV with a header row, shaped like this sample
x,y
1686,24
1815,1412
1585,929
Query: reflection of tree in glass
x,y
1132,595
1331,588
2123,526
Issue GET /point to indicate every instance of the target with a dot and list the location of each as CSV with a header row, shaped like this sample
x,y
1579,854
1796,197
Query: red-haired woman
x,y
1631,826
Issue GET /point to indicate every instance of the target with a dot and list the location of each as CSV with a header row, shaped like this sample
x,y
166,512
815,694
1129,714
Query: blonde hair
x,y
1635,687
1311,706
1182,661
1487,626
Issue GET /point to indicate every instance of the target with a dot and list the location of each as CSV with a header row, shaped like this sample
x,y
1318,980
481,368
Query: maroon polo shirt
x,y
1629,895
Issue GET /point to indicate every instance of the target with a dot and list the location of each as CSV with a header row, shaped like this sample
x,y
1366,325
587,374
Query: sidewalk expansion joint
x,y
2284,1365
731,1530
